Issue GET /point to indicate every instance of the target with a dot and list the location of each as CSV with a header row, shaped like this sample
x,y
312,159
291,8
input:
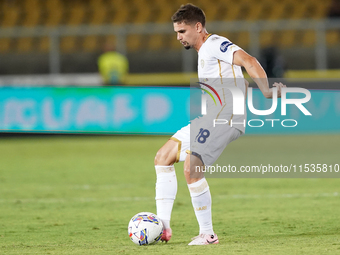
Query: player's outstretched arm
x,y
256,72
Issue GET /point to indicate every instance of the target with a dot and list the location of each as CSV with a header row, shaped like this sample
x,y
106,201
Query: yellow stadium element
x,y
211,9
29,12
90,43
277,11
120,11
5,44
254,12
44,44
32,13
109,40
308,38
287,38
146,11
24,44
313,75
98,12
299,9
68,43
321,8
231,12
113,68
165,10
174,43
333,37
267,38
135,42
76,12
158,79
11,14
54,12
243,39
156,42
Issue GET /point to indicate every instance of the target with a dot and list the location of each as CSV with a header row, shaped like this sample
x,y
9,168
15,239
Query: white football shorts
x,y
204,140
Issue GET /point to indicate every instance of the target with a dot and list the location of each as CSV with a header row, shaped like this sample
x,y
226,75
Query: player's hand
x,y
279,88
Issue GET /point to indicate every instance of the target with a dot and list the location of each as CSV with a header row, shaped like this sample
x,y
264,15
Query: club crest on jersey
x,y
224,46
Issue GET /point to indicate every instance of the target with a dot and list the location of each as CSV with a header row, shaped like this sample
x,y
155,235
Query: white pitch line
x,y
122,199
247,196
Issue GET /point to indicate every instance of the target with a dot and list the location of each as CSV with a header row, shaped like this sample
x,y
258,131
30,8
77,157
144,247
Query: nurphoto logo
x,y
239,104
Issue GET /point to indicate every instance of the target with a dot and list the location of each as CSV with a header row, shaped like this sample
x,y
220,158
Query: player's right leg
x,y
173,151
166,184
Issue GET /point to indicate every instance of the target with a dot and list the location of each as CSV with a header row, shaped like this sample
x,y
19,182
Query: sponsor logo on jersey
x,y
202,63
224,46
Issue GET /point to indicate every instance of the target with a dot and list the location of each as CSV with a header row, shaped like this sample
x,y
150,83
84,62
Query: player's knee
x,y
186,168
158,157
164,158
192,165
187,172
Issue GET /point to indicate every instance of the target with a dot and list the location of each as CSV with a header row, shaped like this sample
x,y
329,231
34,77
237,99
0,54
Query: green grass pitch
x,y
76,195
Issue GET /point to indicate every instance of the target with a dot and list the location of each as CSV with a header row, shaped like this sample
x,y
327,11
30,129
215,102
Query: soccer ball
x,y
145,228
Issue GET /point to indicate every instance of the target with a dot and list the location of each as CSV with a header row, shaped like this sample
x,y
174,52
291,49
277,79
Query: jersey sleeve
x,y
222,49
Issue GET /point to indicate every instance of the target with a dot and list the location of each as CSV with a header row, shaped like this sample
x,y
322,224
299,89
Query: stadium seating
x,y
51,13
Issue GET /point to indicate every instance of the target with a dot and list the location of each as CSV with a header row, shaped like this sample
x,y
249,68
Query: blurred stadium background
x,y
57,43
60,36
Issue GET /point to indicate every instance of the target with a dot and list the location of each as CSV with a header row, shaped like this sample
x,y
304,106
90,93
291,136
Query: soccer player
x,y
217,58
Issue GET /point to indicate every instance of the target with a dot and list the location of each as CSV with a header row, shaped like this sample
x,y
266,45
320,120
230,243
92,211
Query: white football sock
x,y
201,201
166,190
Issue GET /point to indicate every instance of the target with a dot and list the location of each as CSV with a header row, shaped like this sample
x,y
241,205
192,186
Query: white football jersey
x,y
215,59
216,69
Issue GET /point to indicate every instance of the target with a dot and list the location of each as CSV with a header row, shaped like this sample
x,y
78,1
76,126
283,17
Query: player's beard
x,y
187,46
191,46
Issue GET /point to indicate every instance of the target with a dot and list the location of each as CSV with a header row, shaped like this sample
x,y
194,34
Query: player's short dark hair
x,y
189,14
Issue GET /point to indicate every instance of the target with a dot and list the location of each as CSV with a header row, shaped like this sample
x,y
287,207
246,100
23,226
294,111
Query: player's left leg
x,y
201,200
